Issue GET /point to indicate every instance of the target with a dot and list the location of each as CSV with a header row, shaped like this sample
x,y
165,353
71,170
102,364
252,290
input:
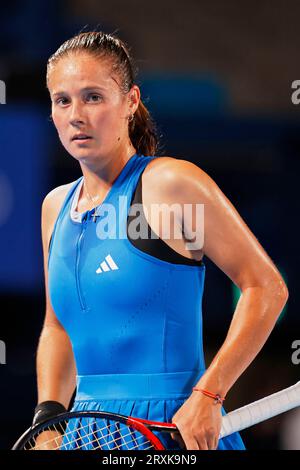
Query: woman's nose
x,y
76,114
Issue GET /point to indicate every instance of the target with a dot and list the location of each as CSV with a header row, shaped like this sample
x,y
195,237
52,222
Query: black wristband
x,y
47,410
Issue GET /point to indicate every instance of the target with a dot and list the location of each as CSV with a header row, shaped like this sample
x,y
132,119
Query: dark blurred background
x,y
217,78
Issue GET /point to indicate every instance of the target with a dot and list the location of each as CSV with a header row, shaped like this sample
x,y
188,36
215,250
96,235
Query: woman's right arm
x,y
56,370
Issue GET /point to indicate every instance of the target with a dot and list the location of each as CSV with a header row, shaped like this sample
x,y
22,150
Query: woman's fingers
x,y
205,439
187,436
192,444
178,438
212,440
200,439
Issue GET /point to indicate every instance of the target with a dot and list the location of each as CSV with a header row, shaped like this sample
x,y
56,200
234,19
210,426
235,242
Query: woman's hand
x,y
48,440
199,422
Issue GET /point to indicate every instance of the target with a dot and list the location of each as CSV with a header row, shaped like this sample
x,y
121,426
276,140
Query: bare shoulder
x,y
172,175
54,199
51,206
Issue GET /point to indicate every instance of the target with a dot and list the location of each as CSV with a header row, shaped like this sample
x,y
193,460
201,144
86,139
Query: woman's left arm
x,y
230,244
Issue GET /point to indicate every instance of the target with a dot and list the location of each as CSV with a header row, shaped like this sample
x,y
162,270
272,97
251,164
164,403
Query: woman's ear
x,y
134,98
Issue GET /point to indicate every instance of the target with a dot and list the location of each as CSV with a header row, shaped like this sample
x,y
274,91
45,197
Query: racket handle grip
x,y
261,410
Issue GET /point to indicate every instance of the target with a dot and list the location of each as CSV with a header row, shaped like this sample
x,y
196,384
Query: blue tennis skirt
x,y
149,396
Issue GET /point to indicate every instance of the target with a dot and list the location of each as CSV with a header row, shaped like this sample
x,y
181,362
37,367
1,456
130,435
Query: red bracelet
x,y
217,397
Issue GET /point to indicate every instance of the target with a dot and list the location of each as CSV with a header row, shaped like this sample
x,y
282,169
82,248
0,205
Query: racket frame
x,y
143,426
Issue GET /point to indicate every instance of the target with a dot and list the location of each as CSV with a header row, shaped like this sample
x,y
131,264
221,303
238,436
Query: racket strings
x,y
78,436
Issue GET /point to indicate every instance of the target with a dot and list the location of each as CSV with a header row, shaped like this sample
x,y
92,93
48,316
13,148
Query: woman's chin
x,y
85,155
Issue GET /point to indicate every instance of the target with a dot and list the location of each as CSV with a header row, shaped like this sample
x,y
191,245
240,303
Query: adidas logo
x,y
107,266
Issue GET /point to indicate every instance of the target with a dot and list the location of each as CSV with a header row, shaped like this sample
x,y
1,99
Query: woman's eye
x,y
62,101
94,98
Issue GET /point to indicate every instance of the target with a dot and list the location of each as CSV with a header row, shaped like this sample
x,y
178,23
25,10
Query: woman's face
x,y
89,110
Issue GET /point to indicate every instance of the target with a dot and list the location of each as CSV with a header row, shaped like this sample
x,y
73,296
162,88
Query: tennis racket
x,y
88,430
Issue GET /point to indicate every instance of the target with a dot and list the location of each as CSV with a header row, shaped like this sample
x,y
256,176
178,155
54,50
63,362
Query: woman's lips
x,y
81,139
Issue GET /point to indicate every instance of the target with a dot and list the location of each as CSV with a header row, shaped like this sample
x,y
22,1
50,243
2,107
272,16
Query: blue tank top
x,y
124,310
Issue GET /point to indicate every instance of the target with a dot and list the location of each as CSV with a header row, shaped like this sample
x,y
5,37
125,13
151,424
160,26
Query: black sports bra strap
x,y
152,245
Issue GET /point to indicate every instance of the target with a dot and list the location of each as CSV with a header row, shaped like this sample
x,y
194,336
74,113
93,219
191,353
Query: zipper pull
x,y
95,215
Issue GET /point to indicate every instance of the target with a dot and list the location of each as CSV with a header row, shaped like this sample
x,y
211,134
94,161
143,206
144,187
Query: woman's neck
x,y
98,181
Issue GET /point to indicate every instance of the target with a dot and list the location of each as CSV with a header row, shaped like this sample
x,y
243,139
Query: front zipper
x,y
79,245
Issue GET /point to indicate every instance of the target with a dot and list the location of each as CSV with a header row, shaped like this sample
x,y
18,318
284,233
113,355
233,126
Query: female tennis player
x,y
123,313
